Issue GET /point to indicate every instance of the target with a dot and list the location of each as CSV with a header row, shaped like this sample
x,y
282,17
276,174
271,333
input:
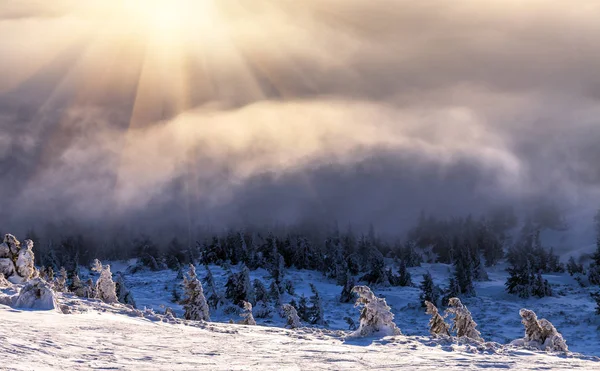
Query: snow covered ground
x,y
103,340
99,336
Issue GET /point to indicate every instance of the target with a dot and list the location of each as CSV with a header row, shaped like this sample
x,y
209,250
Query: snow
x,y
96,335
105,340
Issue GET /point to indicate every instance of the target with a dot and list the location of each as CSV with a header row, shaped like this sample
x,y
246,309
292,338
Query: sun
x,y
172,20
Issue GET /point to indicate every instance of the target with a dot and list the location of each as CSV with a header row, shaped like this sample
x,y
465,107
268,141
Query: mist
x,y
353,111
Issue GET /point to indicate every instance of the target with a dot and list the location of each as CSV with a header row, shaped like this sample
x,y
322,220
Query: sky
x,y
155,114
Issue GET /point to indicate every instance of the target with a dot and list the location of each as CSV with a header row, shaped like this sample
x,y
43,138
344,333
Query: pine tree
x,y
437,326
316,313
375,315
60,283
347,296
541,333
429,292
215,299
105,287
260,291
303,310
77,287
520,281
573,267
541,287
404,278
462,322
247,317
238,287
291,315
451,291
194,302
123,294
274,293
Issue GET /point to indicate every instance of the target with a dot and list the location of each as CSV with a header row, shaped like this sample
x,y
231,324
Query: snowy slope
x,y
103,340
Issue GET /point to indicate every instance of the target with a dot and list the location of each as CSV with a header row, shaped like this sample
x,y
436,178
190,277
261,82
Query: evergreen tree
x,y
375,316
60,283
541,287
194,302
238,287
123,294
347,296
437,326
247,317
77,287
462,322
215,299
573,267
451,291
316,313
260,291
291,315
303,310
274,293
403,278
175,255
429,292
105,287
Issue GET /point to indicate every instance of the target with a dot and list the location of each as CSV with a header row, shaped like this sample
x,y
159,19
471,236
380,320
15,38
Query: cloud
x,y
351,110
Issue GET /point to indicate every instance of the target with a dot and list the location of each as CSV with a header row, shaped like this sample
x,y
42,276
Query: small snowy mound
x,y
36,294
540,334
375,316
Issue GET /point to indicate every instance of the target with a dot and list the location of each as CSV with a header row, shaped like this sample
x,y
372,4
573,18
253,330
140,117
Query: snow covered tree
x,y
123,294
573,267
247,318
274,293
194,302
60,283
540,334
215,298
239,288
429,291
89,289
25,261
541,287
462,323
403,278
291,315
77,287
303,310
260,291
437,326
105,286
347,296
520,280
36,294
451,291
316,313
375,315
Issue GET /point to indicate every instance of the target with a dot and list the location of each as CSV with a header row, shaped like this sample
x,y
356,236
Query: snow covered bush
x,y
375,316
247,318
463,323
194,302
36,294
437,326
123,294
60,283
16,261
24,265
540,334
105,286
291,315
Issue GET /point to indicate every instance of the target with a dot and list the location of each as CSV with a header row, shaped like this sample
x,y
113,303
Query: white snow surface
x,y
96,335
108,340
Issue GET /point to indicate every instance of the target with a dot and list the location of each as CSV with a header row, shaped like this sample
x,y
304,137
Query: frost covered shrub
x,y
463,323
16,261
437,326
375,316
123,294
291,315
540,334
60,283
36,294
194,302
247,318
105,287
